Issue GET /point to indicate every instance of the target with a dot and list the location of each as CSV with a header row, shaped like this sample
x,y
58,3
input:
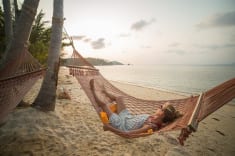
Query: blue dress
x,y
125,121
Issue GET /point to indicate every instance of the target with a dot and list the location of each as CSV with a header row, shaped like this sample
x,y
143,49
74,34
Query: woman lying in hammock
x,y
133,124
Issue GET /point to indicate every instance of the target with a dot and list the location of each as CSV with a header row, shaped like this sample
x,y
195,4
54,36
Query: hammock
x,y
16,79
194,108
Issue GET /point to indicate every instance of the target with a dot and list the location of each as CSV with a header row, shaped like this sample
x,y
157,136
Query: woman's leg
x,y
103,105
120,104
110,95
119,100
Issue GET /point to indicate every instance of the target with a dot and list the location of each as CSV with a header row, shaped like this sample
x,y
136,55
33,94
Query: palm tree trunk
x,y
47,96
22,32
8,21
17,11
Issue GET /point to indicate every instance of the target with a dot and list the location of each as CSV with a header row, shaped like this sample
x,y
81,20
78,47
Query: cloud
x,y
232,37
218,20
216,46
175,44
125,35
78,37
87,40
139,25
95,44
146,47
176,51
98,44
82,38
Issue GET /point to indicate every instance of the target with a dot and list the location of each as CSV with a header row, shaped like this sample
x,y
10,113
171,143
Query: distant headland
x,y
94,61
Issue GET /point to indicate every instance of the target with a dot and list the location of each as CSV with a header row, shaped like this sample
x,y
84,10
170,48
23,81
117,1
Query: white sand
x,y
74,128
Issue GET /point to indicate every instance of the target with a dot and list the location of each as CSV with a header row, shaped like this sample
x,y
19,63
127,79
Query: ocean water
x,y
191,79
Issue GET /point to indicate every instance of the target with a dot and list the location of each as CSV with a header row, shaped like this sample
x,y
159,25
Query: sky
x,y
151,31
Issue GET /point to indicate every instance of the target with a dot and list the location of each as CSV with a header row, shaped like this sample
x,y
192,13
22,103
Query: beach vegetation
x,y
39,40
22,29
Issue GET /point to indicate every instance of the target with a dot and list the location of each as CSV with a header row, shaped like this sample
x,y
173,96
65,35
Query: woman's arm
x,y
143,129
130,134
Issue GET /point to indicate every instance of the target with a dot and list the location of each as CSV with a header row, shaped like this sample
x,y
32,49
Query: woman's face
x,y
160,114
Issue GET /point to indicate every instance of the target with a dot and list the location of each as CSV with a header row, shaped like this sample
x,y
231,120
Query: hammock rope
x,y
194,108
16,79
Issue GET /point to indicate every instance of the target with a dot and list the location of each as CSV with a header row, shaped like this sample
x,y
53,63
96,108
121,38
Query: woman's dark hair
x,y
170,114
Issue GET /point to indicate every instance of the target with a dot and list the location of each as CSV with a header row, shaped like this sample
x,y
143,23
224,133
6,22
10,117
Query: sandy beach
x,y
75,129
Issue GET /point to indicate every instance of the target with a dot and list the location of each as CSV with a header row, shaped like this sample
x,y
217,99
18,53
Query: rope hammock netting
x,y
194,108
16,79
19,75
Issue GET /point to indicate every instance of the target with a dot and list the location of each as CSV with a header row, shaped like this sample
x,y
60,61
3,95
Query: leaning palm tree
x,y
22,32
47,94
2,33
17,11
8,21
